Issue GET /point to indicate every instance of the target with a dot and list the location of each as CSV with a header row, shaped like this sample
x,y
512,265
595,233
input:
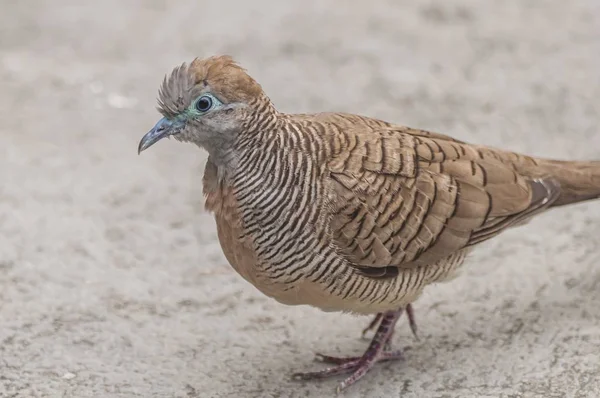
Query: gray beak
x,y
162,129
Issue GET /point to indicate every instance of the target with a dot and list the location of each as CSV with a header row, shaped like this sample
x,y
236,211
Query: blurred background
x,y
112,283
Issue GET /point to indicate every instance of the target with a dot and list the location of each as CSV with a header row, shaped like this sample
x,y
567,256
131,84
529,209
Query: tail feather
x,y
579,181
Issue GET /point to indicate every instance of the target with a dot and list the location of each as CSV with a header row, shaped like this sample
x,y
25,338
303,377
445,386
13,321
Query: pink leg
x,y
410,313
411,322
372,325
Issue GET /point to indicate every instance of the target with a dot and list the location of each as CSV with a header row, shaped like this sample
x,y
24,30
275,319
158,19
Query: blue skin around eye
x,y
215,103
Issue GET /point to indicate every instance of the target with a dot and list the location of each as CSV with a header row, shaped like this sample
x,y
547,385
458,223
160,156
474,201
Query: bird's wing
x,y
400,199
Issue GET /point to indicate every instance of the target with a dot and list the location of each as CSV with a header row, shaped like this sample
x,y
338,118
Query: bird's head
x,y
205,102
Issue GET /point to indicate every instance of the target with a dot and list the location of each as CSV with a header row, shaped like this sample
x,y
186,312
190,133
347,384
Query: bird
x,y
345,212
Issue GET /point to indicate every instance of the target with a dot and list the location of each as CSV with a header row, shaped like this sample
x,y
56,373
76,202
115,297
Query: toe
x,y
335,360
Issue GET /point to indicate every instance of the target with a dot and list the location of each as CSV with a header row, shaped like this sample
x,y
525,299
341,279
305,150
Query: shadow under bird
x,y
345,212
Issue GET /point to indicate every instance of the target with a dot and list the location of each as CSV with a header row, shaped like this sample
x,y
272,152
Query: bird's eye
x,y
204,103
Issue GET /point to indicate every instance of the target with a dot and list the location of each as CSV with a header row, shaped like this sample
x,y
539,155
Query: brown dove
x,y
345,212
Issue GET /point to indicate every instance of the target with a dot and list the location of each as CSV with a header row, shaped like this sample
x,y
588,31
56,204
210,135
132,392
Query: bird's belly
x,y
242,257
351,292
362,294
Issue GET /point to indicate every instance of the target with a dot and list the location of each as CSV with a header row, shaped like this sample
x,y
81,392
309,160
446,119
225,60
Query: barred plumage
x,y
345,212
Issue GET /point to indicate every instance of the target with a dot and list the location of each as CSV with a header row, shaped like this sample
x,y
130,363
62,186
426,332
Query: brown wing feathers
x,y
410,200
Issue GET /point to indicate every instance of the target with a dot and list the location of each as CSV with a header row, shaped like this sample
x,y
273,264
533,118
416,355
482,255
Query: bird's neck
x,y
223,159
262,122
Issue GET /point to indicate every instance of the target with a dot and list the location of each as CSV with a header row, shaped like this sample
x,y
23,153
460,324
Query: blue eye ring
x,y
204,103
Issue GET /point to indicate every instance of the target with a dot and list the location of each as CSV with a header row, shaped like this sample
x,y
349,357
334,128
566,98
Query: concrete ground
x,y
112,283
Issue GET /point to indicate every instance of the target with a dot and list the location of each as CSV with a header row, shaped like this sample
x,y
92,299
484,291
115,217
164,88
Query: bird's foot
x,y
359,366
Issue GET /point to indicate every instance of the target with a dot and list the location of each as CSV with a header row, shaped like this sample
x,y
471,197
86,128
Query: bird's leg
x,y
359,366
410,313
372,325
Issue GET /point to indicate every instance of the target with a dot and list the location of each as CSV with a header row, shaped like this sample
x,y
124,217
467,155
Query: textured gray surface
x,y
112,283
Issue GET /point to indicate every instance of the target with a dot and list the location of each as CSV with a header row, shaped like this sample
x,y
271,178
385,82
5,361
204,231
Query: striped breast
x,y
279,191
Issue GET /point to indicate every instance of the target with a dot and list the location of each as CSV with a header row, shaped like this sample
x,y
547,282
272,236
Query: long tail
x,y
579,181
